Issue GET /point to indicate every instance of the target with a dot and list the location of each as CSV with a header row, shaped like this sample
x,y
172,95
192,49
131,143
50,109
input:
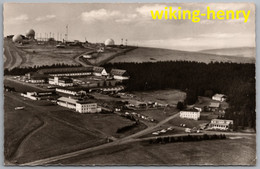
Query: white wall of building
x,y
190,115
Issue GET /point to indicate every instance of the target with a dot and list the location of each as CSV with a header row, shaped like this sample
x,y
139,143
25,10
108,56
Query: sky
x,y
97,22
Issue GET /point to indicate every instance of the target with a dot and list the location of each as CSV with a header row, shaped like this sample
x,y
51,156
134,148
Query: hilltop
x,y
145,54
249,52
38,55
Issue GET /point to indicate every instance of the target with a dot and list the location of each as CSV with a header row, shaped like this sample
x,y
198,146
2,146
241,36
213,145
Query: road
x,y
86,64
117,143
80,62
126,140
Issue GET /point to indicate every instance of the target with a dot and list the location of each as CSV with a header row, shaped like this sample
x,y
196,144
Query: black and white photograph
x,y
129,84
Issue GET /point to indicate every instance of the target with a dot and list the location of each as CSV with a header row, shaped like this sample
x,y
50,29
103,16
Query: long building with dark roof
x,y
71,71
119,74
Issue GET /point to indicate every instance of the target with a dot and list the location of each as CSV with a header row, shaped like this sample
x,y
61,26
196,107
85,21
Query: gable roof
x,y
118,72
98,69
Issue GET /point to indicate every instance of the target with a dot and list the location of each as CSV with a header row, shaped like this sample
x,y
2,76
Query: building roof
x,y
214,105
74,100
118,72
219,95
68,100
35,75
190,110
98,69
222,121
65,70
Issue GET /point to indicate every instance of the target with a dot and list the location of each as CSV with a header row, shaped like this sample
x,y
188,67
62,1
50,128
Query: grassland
x,y
143,54
49,54
170,97
21,86
241,151
32,133
36,55
249,52
104,124
44,129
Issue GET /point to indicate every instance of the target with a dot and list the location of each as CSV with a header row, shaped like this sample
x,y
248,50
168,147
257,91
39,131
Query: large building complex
x,y
193,114
61,81
72,71
78,105
221,124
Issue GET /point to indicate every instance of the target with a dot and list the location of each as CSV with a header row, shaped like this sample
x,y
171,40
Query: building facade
x,y
99,71
119,74
64,82
219,97
193,114
221,124
78,106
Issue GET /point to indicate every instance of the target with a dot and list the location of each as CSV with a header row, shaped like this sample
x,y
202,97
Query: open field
x,y
63,130
158,114
17,130
37,55
171,97
249,52
26,129
49,54
143,54
240,151
21,86
105,124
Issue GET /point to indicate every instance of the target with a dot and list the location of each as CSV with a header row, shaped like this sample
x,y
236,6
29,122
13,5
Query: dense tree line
x,y
165,140
235,80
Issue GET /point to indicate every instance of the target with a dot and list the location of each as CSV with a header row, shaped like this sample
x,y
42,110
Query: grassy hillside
x,y
144,54
249,52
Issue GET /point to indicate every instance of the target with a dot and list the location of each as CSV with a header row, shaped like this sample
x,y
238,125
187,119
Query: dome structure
x,y
30,34
109,42
17,38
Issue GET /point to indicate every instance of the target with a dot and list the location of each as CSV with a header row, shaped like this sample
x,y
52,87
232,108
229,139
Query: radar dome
x,y
30,33
17,38
109,42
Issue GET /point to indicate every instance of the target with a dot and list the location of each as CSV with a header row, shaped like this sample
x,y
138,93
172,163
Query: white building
x,y
30,95
221,124
219,97
112,89
73,92
66,91
78,106
99,71
59,81
193,114
119,74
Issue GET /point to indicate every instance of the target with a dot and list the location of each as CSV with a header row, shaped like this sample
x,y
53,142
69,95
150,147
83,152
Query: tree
x,y
180,105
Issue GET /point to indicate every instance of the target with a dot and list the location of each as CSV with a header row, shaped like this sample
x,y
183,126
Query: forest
x,y
237,81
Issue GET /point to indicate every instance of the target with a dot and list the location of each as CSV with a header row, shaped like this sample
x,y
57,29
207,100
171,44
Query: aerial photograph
x,y
105,84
